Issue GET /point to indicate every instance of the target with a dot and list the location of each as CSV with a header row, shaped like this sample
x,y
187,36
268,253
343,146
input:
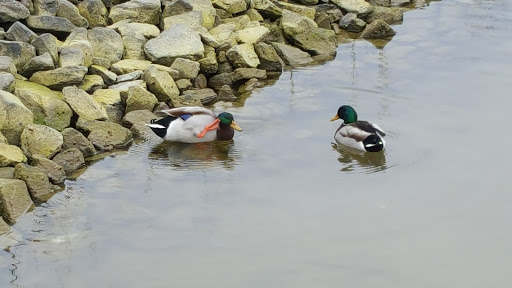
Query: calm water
x,y
283,206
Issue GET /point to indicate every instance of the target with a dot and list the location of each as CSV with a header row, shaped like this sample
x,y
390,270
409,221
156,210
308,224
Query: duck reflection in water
x,y
355,161
196,156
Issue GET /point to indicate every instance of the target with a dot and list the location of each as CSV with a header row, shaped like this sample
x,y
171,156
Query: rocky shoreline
x,y
81,77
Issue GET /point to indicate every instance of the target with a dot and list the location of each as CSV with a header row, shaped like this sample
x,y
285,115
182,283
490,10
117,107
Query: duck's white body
x,y
187,130
353,135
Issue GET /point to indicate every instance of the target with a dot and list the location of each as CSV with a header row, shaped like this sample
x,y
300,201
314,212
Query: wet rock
x,y
317,41
115,113
217,81
12,10
107,96
300,9
106,135
6,82
108,77
267,9
248,73
11,155
378,29
129,76
162,85
69,11
95,12
6,172
74,139
142,11
14,199
61,77
129,65
140,99
328,13
38,184
351,23
243,55
389,15
138,116
47,43
39,63
54,171
292,56
252,35
40,139
269,59
205,95
20,52
231,6
78,38
20,32
359,7
126,28
46,105
70,160
91,83
51,24
83,104
179,41
192,20
226,94
187,69
134,46
14,116
7,65
106,43
71,56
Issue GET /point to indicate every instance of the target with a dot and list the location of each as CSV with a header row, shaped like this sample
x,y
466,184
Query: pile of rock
x,y
75,73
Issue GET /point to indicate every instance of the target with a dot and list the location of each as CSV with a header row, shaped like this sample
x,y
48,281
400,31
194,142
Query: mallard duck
x,y
194,125
361,135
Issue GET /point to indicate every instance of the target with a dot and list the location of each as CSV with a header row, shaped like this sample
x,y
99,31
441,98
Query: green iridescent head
x,y
347,113
226,119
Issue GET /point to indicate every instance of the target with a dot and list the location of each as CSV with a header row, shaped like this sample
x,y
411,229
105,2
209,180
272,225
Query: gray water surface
x,y
284,206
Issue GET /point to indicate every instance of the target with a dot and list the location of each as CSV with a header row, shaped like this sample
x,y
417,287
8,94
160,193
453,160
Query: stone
x,y
187,69
107,96
100,61
267,9
7,65
20,32
108,77
54,171
138,116
223,32
317,41
162,85
7,82
129,76
200,81
129,65
248,73
207,10
11,155
47,43
106,136
134,46
39,63
378,29
351,23
95,12
292,56
252,35
78,38
14,116
12,10
243,55
6,172
61,77
359,7
176,7
269,59
40,139
51,24
45,7
391,16
74,139
187,100
106,43
205,95
226,94
142,11
300,9
140,99
71,56
38,184
84,104
217,81
123,87
231,6
46,105
179,41
70,159
126,28
69,11
295,23
20,52
192,20
4,227
14,199
91,83
207,38
399,3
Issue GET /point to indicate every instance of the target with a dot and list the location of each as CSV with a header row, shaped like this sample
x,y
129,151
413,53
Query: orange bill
x,y
336,117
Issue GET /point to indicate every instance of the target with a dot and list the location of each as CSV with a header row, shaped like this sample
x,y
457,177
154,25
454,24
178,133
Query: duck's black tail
x,y
160,126
373,143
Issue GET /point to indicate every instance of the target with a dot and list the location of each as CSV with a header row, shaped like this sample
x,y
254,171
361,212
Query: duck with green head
x,y
361,135
194,125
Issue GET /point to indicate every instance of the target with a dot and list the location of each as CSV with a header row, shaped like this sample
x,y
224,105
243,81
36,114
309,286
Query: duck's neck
x,y
225,132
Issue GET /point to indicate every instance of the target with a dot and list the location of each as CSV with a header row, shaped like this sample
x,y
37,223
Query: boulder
x,y
46,105
327,14
248,73
300,9
183,84
6,172
254,15
317,41
74,139
209,64
70,160
231,6
20,32
39,63
45,7
179,41
40,139
187,69
192,20
129,76
176,7
20,52
223,32
207,10
391,16
243,55
269,60
12,10
54,171
14,199
95,12
71,56
108,77
38,184
127,28
226,94
140,99
84,104
107,97
351,23
130,65
142,11
217,81
162,85
11,155
359,7
101,62
78,38
292,56
7,82
106,43
91,83
69,11
7,65
14,116
51,24
378,29
47,43
205,95
134,46
138,116
61,77
252,35
123,87
295,23
267,9
106,135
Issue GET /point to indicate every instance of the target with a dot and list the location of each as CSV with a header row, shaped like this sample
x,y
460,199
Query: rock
x,y
292,56
209,64
12,10
101,62
129,76
217,81
109,77
327,13
267,9
61,77
70,160
399,3
106,135
11,155
248,73
45,7
231,6
200,81
254,15
384,3
46,105
91,83
138,116
140,99
107,97
95,12
378,29
74,139
162,85
47,43
269,60
308,2
143,11
130,65
252,35
389,15
7,65
241,22
223,32
177,42
183,84
317,41
351,23
20,52
54,171
207,38
14,116
300,9
6,82
3,139
84,104
38,184
40,139
126,28
243,55
51,24
7,172
20,32
69,11
71,56
295,23
4,227
187,100
134,46
207,10
226,94
14,199
39,63
187,69
78,38
192,20
205,95
359,7
106,43
123,87
176,7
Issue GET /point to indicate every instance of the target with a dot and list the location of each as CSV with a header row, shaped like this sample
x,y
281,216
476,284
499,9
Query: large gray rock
x,y
78,38
70,160
47,43
106,43
269,60
42,62
317,41
12,10
127,28
69,11
295,23
45,7
359,7
20,32
106,135
192,19
134,46
95,12
52,24
38,184
20,52
140,99
11,155
351,23
108,77
14,116
162,85
292,56
74,139
209,64
223,32
84,104
187,69
7,65
248,73
123,87
177,42
14,199
40,139
391,16
142,11
217,81
61,77
7,172
7,82
204,96
54,171
252,35
71,56
46,105
378,29
243,55
138,116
